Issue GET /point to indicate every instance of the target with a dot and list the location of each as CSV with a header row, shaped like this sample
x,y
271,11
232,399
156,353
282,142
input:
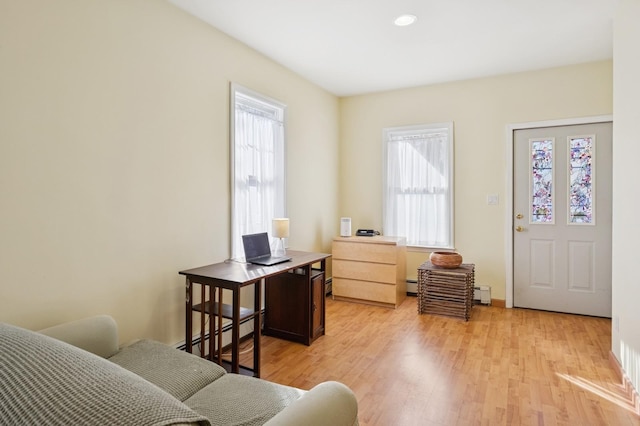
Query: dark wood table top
x,y
240,273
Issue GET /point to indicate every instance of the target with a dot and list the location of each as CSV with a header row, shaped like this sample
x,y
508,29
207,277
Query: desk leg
x,y
257,328
220,327
235,332
323,268
212,325
188,316
203,314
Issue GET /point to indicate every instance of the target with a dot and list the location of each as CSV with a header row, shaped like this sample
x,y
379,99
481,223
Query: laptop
x,y
258,251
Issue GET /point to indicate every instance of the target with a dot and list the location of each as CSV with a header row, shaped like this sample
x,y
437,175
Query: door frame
x,y
509,208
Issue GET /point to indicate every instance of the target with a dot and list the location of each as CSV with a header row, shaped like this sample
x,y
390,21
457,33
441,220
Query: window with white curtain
x,y
418,184
257,164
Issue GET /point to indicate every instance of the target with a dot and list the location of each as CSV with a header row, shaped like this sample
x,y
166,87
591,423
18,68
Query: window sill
x,y
421,249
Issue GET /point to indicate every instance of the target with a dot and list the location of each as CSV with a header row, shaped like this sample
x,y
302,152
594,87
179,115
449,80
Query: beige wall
x,y
626,204
481,110
114,159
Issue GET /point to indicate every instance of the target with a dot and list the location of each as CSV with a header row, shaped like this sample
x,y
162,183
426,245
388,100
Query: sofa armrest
x,y
97,334
329,403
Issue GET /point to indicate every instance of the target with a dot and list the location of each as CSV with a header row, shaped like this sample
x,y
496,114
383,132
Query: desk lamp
x,y
280,231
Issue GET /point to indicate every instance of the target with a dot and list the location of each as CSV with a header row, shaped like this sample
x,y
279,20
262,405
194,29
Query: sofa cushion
x,y
46,381
242,400
180,373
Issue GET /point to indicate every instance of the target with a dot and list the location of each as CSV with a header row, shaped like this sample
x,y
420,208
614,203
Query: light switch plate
x,y
493,199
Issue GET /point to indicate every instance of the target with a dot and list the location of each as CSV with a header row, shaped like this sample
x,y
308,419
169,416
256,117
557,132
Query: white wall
x,y
626,204
114,159
481,109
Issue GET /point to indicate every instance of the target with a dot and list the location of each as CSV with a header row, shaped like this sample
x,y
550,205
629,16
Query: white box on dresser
x,y
370,270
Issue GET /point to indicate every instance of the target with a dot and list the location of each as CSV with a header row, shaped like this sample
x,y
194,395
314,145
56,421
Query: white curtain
x,y
418,188
258,168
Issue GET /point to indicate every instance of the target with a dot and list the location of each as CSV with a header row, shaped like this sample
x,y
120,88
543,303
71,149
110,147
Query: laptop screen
x,y
256,245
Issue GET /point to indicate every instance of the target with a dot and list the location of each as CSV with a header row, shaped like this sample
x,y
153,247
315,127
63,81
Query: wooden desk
x,y
232,275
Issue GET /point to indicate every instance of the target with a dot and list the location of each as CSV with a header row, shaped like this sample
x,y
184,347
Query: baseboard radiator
x,y
482,294
412,287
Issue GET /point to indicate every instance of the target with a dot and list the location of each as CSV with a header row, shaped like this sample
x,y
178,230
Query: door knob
x,y
519,228
519,216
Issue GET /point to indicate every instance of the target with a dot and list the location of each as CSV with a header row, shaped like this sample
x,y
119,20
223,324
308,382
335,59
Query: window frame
x,y
414,130
236,248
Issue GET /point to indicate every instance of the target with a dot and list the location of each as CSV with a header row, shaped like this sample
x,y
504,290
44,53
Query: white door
x,y
562,219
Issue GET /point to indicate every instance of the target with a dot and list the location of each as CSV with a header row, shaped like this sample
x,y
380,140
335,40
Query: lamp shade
x,y
281,227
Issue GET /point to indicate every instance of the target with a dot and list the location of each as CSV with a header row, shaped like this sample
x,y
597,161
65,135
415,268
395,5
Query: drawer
x,y
368,252
379,272
364,290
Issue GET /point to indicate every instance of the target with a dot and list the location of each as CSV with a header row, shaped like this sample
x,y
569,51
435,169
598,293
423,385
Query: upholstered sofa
x,y
76,373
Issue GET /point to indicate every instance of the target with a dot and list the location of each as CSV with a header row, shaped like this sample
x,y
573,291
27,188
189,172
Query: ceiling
x,y
352,47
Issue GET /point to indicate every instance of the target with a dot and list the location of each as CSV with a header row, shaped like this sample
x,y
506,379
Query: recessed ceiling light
x,y
404,20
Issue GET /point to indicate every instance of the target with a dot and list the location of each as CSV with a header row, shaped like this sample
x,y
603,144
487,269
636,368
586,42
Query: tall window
x,y
257,164
418,184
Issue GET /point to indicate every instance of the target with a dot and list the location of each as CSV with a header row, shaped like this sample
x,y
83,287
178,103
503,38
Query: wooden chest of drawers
x,y
370,270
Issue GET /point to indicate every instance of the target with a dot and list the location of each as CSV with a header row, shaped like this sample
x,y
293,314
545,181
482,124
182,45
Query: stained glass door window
x,y
542,195
581,179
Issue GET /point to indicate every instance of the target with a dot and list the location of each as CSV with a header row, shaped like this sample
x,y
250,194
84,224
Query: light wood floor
x,y
504,367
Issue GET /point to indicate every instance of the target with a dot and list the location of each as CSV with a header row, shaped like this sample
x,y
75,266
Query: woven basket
x,y
446,259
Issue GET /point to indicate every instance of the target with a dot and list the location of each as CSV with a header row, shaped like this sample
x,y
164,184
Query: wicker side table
x,y
446,291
